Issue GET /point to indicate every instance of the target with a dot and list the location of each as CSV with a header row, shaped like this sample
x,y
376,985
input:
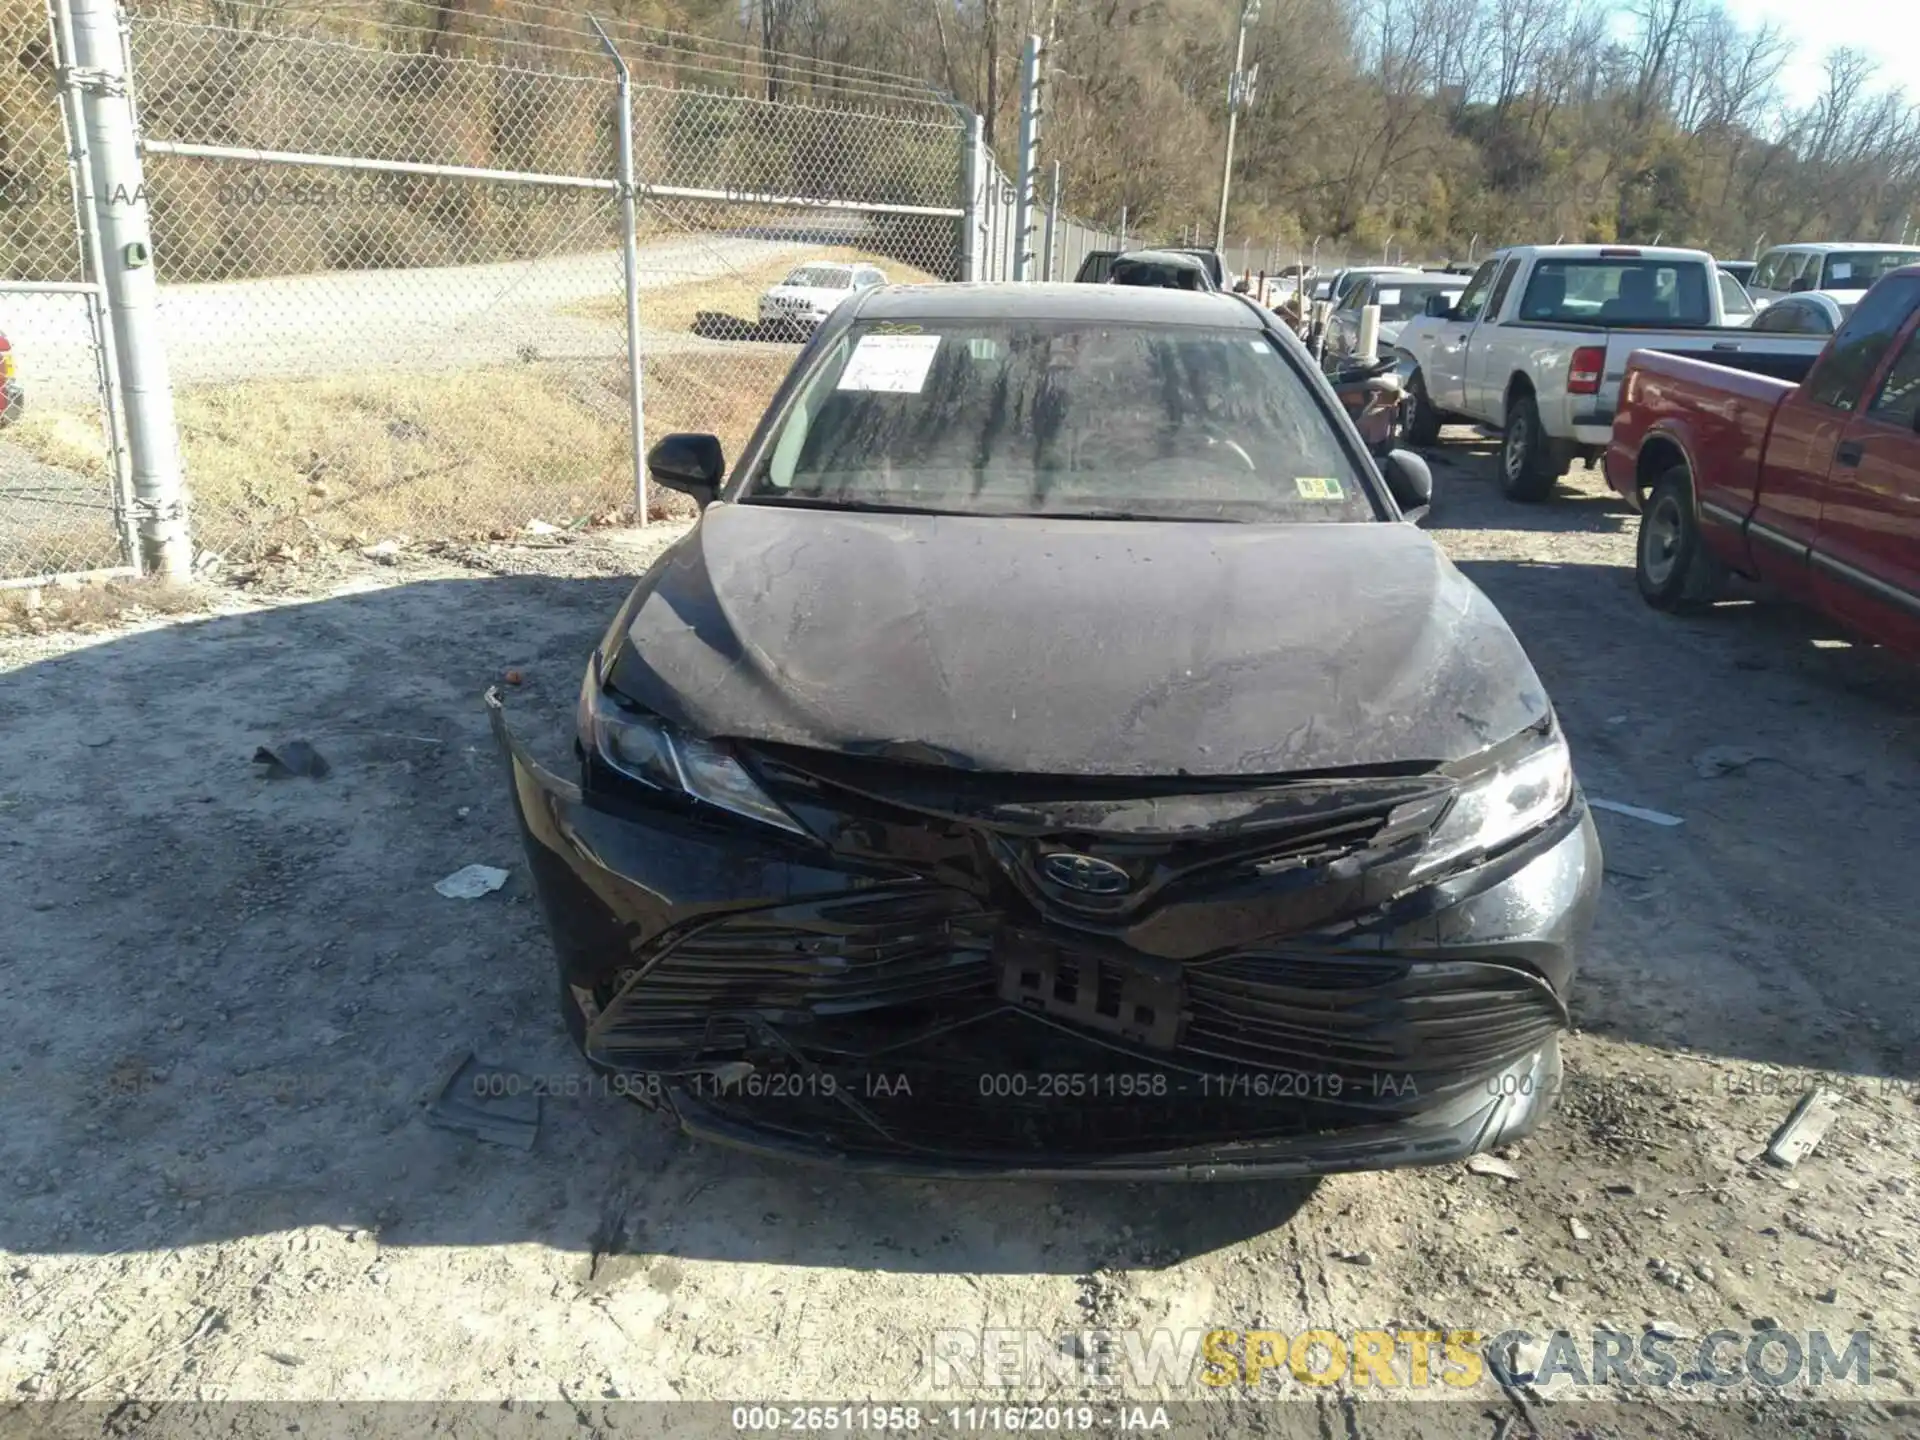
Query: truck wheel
x,y
1423,421
1526,456
1673,568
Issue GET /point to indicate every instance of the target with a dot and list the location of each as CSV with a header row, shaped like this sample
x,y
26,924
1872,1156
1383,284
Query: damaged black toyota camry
x,y
1054,753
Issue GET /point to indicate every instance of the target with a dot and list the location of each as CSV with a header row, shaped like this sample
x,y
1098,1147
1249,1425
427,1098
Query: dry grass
x,y
736,293
299,466
88,606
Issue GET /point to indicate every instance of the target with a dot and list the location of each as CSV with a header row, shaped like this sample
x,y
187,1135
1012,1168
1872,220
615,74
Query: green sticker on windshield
x,y
1317,487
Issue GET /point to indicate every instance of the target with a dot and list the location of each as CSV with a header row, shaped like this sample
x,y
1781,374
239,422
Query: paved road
x,y
413,319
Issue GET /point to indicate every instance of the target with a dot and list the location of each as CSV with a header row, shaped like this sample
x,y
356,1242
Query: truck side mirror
x,y
1439,307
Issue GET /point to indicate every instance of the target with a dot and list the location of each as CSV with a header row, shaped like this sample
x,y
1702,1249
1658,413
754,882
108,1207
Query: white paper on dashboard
x,y
894,364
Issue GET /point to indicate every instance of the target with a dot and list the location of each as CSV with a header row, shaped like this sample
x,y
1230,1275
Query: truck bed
x,y
1715,415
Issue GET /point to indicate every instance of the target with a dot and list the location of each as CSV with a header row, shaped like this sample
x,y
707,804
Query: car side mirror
x,y
692,464
1409,481
1439,307
1801,286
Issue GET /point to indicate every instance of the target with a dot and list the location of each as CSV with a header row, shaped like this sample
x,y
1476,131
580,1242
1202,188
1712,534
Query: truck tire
x,y
1423,421
1527,468
1672,566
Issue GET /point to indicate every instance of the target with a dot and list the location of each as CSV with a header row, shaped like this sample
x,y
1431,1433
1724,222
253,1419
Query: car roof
x,y
1607,252
830,265
1008,300
1826,247
1181,259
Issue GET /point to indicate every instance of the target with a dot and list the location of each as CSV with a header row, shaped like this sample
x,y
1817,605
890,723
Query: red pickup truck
x,y
1812,487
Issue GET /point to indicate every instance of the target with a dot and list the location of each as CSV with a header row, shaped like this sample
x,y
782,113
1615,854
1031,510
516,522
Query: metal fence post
x,y
1028,178
1053,225
630,267
97,75
975,178
80,177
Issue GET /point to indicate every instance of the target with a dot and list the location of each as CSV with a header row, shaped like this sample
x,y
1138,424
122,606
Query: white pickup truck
x,y
1537,344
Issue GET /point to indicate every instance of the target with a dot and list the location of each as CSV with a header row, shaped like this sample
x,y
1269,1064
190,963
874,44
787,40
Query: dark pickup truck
x,y
1812,487
1098,264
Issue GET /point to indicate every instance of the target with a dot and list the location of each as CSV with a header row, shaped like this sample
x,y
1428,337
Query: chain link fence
x,y
394,266
59,507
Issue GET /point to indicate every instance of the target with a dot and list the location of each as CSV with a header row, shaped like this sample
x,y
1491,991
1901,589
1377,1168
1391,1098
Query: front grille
x,y
896,1023
924,1017
710,990
1171,838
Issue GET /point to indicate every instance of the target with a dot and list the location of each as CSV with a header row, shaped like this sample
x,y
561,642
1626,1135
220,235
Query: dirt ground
x,y
225,996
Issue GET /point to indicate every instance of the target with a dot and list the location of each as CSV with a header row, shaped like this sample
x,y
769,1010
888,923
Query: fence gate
x,y
61,506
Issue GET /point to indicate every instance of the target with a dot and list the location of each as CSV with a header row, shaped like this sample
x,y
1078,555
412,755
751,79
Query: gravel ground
x,y
225,996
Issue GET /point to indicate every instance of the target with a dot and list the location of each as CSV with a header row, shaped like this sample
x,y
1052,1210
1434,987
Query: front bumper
x,y
777,998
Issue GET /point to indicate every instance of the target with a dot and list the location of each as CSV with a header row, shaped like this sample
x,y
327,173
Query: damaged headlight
x,y
647,749
1501,806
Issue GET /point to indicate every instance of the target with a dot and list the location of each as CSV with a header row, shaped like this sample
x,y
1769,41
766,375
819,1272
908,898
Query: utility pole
x,y
90,30
1239,95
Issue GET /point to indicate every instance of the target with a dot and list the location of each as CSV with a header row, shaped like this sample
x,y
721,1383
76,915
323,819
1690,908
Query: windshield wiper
x,y
816,502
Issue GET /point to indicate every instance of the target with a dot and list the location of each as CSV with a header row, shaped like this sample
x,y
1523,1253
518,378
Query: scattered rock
x,y
293,757
1355,1257
1718,760
1579,1231
470,882
1492,1165
1828,1296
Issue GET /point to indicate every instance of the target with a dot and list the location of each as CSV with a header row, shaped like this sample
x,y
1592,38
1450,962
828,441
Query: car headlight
x,y
647,749
1499,807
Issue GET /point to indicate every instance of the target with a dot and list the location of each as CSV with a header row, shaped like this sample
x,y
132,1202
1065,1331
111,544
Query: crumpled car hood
x,y
1075,647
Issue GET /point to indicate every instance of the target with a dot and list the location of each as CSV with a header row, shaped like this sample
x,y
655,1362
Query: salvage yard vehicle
x,y
1538,342
13,399
1811,487
1096,266
1829,265
1052,752
1400,298
1166,269
814,290
1812,312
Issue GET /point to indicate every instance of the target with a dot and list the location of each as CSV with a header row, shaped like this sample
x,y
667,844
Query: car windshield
x,y
1617,292
1400,300
1026,417
821,277
1859,269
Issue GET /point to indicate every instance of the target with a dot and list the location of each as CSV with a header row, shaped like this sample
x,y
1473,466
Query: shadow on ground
x,y
228,995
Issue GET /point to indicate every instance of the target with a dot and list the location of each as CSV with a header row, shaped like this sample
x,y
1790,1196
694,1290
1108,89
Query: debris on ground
x,y
1636,812
1718,760
1492,1165
470,882
1578,1231
1795,1140
488,1102
541,527
294,757
384,552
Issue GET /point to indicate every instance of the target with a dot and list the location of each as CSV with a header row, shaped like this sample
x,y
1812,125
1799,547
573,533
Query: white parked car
x,y
814,290
1401,297
1831,265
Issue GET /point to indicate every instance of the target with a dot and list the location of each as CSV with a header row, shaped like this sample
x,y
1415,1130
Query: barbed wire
x,y
679,49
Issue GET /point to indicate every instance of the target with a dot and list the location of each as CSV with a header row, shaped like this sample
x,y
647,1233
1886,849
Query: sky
x,y
1888,30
